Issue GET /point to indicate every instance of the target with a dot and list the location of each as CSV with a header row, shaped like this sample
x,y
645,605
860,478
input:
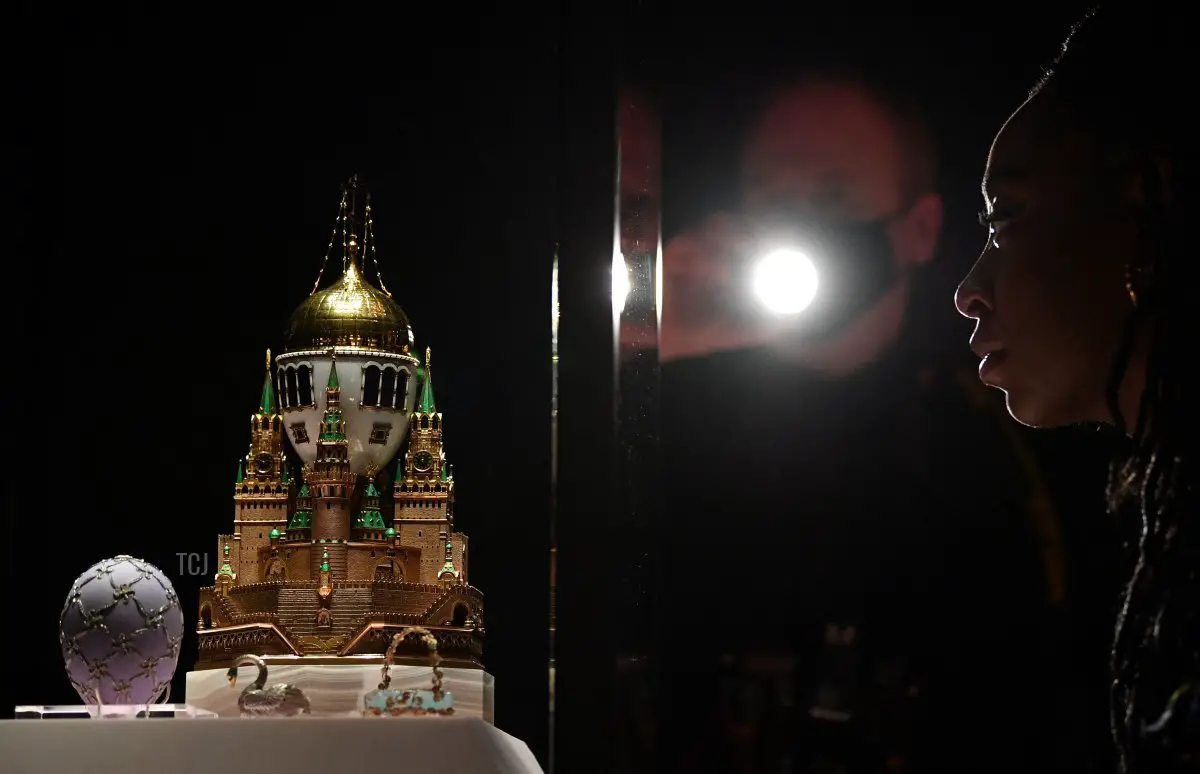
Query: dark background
x,y
176,180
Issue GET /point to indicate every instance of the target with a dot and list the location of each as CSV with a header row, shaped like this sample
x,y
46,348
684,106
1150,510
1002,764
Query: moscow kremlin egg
x,y
120,632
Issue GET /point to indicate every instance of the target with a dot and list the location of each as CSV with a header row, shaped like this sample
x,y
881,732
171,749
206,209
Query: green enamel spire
x,y
240,474
226,569
426,404
332,431
448,567
446,471
302,518
284,474
332,428
370,520
325,562
370,517
266,404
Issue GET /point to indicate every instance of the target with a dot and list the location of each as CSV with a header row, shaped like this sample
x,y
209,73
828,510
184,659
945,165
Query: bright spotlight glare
x,y
620,282
785,281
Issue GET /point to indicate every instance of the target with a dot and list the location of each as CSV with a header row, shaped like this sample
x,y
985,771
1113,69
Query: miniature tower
x,y
369,524
424,488
300,526
389,569
260,493
226,576
332,484
325,573
274,567
448,576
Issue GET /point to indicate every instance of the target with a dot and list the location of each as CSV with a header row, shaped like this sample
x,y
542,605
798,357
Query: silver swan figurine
x,y
261,700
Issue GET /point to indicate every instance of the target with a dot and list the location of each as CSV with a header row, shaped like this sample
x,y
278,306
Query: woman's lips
x,y
989,366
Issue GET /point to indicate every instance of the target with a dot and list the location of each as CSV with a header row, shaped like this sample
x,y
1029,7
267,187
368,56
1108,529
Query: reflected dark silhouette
x,y
870,560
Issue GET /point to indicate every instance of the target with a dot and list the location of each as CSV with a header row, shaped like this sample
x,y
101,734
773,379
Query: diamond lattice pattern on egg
x,y
120,632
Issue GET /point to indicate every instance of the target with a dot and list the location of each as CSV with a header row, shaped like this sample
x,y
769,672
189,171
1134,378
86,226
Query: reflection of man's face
x,y
827,149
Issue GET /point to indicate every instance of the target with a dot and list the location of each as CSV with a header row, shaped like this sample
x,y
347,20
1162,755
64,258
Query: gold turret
x,y
424,490
260,494
226,575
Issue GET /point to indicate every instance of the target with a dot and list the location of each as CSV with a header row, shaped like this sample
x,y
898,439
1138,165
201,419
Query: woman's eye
x,y
995,223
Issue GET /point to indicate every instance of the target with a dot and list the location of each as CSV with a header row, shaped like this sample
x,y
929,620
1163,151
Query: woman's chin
x,y
1036,411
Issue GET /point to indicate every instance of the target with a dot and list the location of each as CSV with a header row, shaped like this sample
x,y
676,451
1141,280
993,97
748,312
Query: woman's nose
x,y
973,296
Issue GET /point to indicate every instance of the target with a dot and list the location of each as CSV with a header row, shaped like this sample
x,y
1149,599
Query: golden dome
x,y
349,313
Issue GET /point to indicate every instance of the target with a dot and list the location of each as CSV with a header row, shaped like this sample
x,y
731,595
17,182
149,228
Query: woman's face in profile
x,y
1048,291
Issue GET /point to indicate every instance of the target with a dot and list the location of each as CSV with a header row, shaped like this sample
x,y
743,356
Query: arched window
x,y
304,387
280,388
293,399
371,386
387,393
401,388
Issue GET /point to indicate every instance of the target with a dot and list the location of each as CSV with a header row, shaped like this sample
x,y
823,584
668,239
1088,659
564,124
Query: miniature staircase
x,y
298,613
350,607
228,611
298,610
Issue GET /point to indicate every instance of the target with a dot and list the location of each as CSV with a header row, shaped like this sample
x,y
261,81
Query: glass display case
x,y
297,240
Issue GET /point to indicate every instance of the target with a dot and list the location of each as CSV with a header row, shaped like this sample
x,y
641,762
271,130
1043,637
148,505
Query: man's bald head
x,y
841,145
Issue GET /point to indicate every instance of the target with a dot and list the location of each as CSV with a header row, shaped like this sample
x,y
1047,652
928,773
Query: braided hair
x,y
1119,79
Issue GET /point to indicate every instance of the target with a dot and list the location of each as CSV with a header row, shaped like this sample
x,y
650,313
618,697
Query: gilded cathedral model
x,y
333,557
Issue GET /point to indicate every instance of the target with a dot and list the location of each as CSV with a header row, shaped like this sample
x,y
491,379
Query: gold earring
x,y
1133,296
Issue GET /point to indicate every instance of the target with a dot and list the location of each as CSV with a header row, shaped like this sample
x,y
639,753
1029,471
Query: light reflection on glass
x,y
620,283
636,296
554,314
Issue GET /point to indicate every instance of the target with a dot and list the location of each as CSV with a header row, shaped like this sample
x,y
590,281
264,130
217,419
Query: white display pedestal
x,y
111,712
280,745
337,689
